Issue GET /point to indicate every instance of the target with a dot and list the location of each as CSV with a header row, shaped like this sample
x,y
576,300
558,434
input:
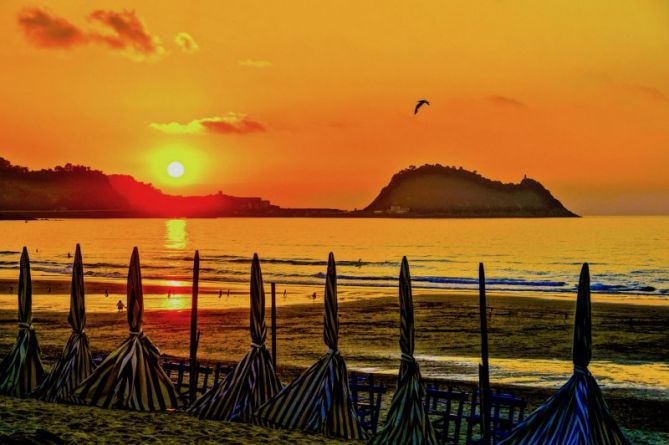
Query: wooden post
x,y
484,370
194,333
274,324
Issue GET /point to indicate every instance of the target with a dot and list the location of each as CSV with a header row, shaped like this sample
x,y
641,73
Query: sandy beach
x,y
525,333
25,421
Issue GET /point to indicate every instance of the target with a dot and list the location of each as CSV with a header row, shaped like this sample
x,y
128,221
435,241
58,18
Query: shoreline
x,y
45,287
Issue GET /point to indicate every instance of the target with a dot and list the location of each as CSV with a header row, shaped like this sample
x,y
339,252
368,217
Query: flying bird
x,y
420,104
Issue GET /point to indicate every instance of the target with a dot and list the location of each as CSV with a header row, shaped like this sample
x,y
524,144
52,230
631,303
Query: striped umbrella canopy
x,y
254,380
407,421
21,370
577,413
131,376
75,362
318,401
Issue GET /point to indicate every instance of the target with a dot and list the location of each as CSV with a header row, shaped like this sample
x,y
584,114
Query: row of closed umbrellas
x,y
317,401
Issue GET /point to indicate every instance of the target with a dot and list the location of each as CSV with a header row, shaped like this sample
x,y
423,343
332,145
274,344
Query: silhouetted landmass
x,y
67,187
438,191
76,191
79,191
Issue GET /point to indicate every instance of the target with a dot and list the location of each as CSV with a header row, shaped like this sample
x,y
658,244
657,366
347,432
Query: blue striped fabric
x,y
577,414
21,370
319,400
76,361
407,421
131,376
254,380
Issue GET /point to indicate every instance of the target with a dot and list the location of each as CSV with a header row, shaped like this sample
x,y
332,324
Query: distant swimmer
x,y
228,296
106,293
313,297
420,104
359,263
69,255
120,306
220,294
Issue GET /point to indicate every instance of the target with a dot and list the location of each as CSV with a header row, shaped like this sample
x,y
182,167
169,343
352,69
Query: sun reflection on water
x,y
175,234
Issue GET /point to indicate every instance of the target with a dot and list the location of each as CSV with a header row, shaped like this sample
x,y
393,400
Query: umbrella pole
x,y
194,333
274,324
484,375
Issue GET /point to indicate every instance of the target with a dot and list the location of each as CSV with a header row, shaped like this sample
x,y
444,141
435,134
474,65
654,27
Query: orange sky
x,y
310,103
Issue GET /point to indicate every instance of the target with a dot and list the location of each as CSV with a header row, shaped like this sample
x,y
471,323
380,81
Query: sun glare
x,y
175,169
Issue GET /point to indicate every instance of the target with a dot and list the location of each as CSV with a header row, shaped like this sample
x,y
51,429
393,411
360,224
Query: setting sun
x,y
175,169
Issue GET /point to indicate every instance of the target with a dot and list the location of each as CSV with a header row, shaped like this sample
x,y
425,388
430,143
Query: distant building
x,y
398,210
253,204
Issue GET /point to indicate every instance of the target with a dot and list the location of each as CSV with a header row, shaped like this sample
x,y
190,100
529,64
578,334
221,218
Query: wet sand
x,y
522,331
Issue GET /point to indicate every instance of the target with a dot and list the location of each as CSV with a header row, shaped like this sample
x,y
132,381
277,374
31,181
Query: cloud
x,y
255,63
506,101
121,31
186,42
128,34
47,31
648,91
231,123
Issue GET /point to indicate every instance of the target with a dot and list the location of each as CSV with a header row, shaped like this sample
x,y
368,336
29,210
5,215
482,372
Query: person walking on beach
x,y
220,294
313,297
120,305
106,293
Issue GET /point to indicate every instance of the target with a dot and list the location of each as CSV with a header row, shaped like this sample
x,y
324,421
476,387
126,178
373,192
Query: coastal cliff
x,y
439,191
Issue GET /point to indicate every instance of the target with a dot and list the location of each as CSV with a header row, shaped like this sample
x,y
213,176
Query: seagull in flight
x,y
420,104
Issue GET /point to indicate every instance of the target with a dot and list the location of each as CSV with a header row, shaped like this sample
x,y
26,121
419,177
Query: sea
x,y
628,256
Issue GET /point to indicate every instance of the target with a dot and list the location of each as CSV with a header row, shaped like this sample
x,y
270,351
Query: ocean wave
x,y
236,259
621,288
300,271
452,280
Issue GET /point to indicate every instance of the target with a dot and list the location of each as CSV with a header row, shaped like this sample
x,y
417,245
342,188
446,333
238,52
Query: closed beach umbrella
x,y
131,376
318,401
577,413
76,362
254,380
407,422
21,370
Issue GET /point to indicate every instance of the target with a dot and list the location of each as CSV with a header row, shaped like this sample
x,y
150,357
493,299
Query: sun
x,y
176,169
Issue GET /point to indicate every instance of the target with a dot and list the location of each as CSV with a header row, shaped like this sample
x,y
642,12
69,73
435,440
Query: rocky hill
x,y
438,191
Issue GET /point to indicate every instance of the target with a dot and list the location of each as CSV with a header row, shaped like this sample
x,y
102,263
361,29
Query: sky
x,y
310,104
